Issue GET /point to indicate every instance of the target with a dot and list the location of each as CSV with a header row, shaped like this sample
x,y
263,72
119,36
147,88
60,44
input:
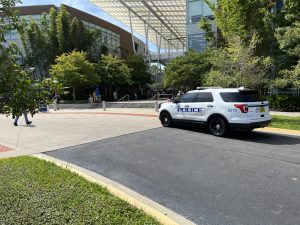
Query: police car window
x,y
241,96
204,97
189,97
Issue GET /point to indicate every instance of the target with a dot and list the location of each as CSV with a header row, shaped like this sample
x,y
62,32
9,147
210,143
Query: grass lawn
x,y
33,191
286,122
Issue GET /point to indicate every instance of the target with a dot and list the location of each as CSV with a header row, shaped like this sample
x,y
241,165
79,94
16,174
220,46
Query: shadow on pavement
x,y
265,138
25,125
254,136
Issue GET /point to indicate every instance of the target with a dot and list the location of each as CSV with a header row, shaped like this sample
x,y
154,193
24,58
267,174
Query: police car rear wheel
x,y
218,126
166,119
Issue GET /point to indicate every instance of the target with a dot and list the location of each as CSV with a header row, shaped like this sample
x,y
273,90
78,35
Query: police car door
x,y
183,106
202,107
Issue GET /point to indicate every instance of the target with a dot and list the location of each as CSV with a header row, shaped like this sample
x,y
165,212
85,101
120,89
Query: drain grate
x,y
4,148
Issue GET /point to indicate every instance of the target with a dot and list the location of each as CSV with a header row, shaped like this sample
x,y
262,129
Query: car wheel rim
x,y
165,120
217,127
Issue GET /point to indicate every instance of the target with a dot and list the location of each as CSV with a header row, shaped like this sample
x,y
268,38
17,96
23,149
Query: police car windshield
x,y
250,96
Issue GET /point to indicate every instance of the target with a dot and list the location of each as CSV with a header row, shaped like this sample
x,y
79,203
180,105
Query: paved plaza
x,y
65,128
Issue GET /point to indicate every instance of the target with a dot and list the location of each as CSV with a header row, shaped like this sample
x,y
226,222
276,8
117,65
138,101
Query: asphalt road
x,y
246,179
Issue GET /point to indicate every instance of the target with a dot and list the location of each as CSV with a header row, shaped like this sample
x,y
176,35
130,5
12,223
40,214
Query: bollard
x,y
104,105
156,106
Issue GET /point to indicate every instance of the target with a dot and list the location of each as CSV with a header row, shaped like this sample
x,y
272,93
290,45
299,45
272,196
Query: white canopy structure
x,y
163,22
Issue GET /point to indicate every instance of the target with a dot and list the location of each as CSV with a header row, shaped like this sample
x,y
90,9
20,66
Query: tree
x,y
291,12
56,34
52,32
17,89
186,72
288,36
63,21
36,43
248,20
139,70
207,26
114,71
237,66
74,70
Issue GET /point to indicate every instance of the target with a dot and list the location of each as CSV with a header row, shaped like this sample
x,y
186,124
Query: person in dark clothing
x,y
25,116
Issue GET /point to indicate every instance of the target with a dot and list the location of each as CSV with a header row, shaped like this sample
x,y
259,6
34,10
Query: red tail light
x,y
242,107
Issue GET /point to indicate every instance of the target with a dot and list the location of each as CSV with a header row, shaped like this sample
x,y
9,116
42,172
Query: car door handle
x,y
187,106
210,106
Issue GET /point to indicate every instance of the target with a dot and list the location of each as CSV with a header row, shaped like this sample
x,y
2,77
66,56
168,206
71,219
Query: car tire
x,y
218,127
166,119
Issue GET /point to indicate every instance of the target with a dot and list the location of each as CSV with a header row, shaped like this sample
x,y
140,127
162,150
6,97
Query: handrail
x,y
123,98
161,97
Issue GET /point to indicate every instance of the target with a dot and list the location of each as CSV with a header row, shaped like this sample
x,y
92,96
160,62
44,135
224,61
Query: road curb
x,y
279,131
162,214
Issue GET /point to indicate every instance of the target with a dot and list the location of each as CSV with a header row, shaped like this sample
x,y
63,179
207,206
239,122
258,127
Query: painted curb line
x,y
162,214
279,131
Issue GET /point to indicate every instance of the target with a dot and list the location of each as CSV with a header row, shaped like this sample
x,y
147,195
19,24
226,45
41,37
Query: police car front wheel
x,y
166,119
218,126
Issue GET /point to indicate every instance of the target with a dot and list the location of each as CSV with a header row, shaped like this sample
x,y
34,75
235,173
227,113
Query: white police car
x,y
219,109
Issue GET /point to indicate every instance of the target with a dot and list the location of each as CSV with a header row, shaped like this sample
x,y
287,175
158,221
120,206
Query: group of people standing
x,y
95,97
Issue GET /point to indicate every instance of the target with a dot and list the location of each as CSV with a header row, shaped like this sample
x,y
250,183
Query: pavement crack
x,y
266,157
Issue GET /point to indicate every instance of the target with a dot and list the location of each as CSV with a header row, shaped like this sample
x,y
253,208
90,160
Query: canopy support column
x,y
131,29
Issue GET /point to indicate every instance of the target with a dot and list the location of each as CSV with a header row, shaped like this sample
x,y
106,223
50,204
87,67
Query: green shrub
x,y
284,103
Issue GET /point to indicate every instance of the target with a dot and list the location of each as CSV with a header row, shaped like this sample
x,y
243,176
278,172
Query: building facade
x,y
197,9
117,40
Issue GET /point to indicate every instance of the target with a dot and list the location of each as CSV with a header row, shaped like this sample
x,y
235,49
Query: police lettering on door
x,y
189,110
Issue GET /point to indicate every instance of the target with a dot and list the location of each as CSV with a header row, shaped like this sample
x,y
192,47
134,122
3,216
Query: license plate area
x,y
261,109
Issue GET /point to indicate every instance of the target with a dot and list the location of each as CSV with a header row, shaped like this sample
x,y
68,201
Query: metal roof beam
x,y
160,19
154,29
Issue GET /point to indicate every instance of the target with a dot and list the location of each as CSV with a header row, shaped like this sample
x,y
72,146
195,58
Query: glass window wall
x,y
108,38
198,9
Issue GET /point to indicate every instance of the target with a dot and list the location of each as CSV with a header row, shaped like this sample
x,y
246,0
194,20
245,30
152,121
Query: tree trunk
x,y
74,94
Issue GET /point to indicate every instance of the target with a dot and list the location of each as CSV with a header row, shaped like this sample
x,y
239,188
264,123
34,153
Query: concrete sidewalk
x,y
66,128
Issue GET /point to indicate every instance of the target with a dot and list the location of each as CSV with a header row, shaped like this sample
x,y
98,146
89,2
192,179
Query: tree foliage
x,y
56,34
74,70
139,70
186,72
63,21
8,19
114,71
19,92
237,66
248,20
36,45
288,36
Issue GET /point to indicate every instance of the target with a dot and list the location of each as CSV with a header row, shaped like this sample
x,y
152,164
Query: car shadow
x,y
265,138
254,136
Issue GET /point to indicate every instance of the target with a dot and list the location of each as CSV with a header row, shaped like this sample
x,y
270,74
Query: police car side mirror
x,y
175,101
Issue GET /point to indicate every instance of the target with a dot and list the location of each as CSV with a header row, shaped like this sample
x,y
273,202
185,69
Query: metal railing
x,y
161,97
126,97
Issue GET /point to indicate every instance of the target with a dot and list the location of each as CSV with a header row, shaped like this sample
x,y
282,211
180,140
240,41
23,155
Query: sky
x,y
90,8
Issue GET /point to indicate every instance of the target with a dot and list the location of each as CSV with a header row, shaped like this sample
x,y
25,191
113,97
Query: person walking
x,y
56,100
25,116
115,94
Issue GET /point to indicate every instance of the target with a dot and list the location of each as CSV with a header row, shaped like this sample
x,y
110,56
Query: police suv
x,y
219,109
